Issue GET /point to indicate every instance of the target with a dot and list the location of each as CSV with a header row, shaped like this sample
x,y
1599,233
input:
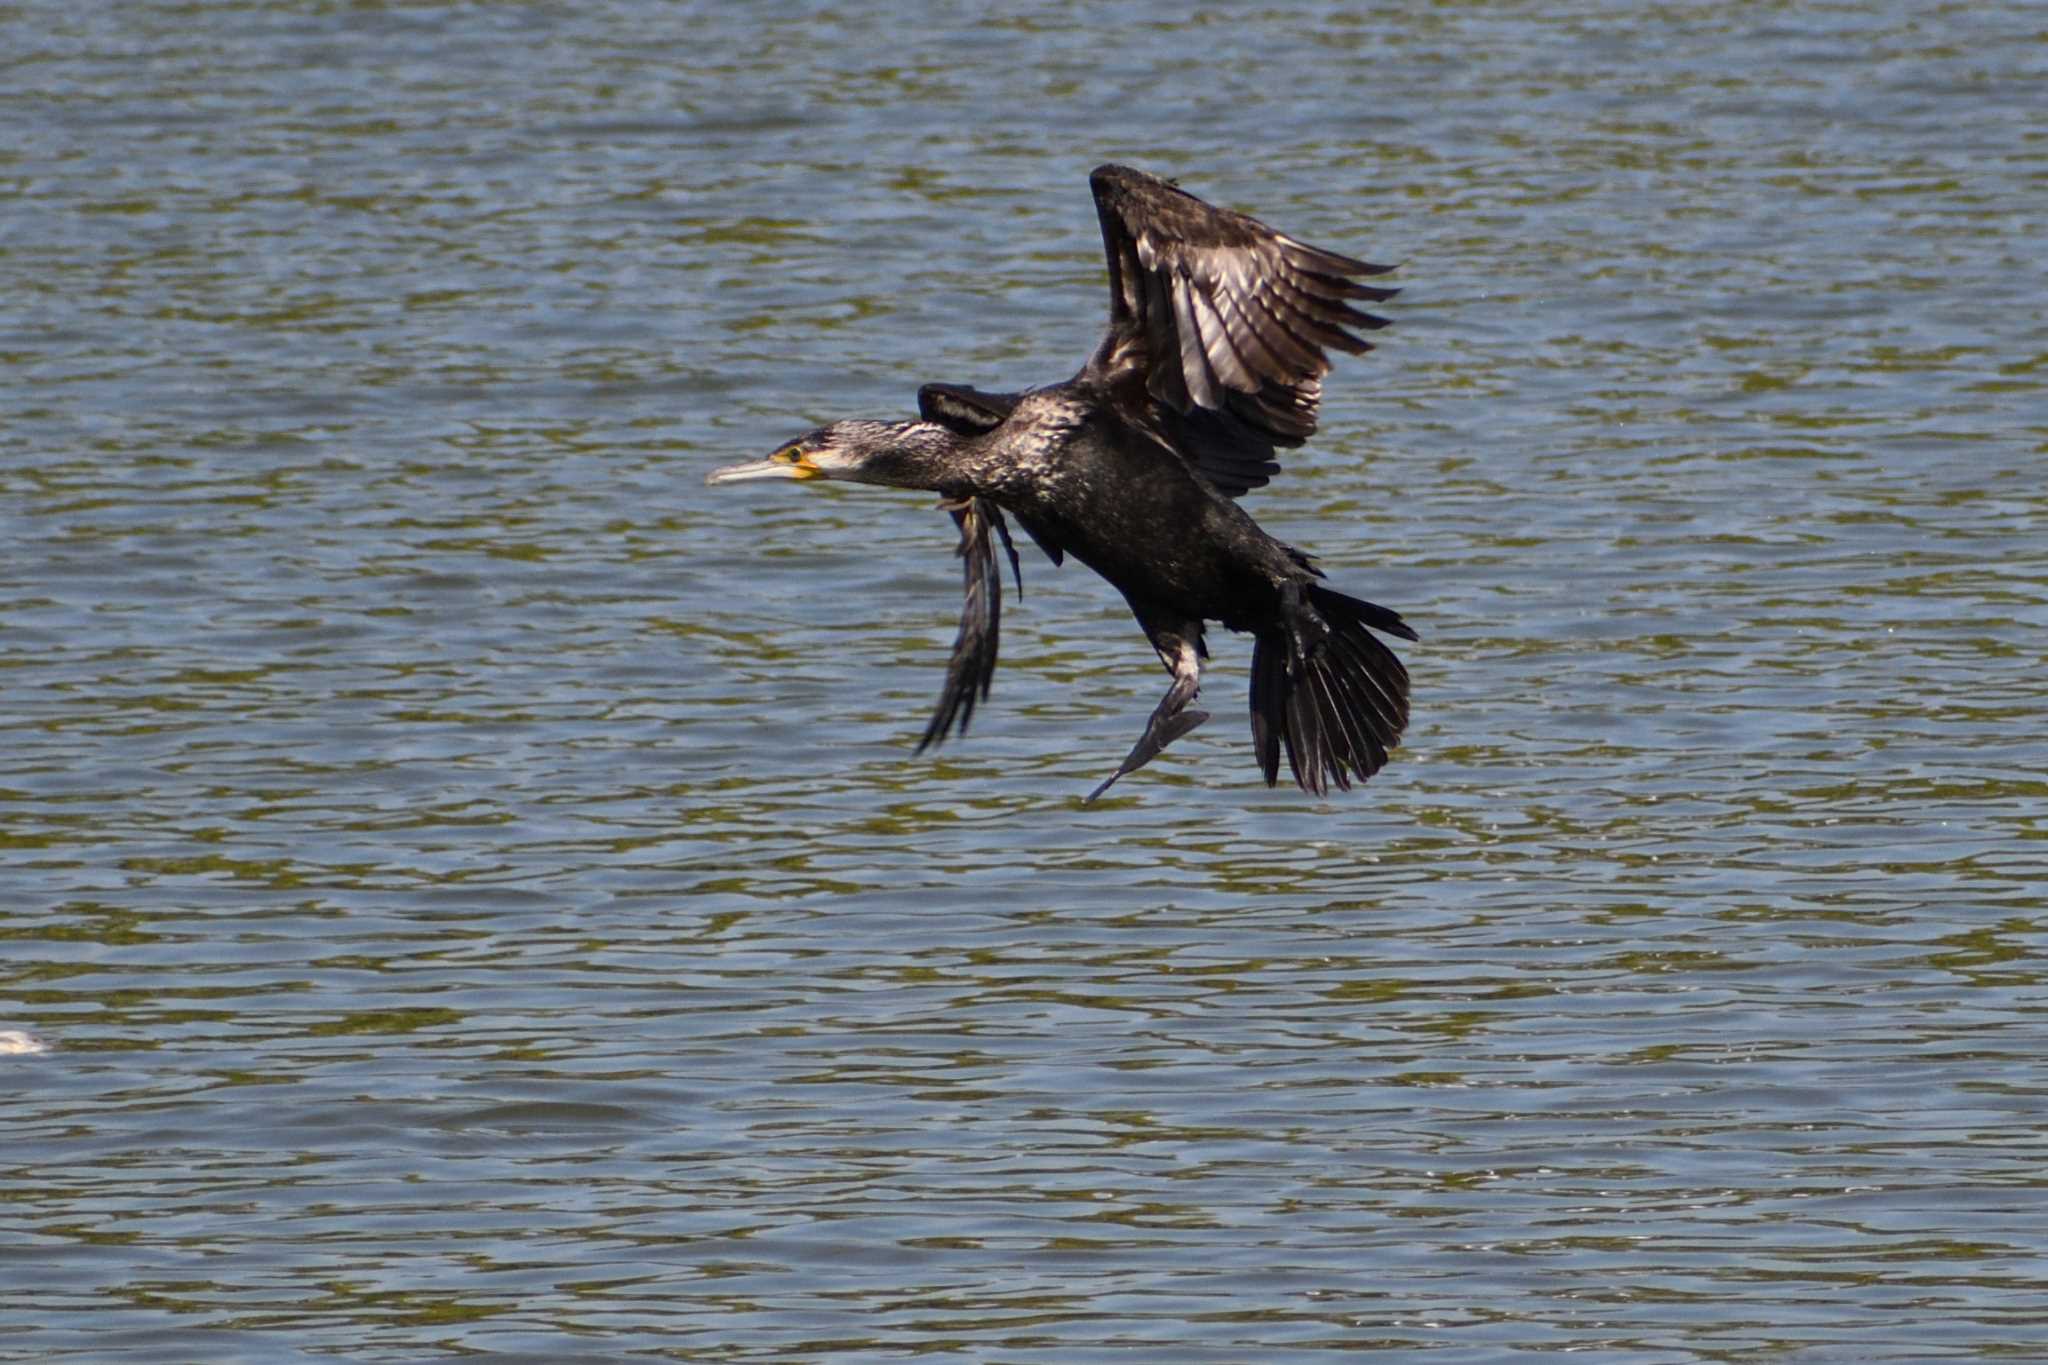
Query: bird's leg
x,y
1180,649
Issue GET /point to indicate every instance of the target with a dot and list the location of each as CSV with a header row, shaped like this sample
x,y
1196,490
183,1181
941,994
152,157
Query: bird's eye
x,y
788,455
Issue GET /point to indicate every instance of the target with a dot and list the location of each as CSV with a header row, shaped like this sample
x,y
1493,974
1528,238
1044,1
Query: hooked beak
x,y
782,464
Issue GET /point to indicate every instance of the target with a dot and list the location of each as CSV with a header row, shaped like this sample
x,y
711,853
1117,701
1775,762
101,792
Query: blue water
x,y
472,883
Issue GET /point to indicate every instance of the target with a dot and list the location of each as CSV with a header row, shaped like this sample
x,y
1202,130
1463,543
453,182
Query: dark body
x,y
1113,498
1213,359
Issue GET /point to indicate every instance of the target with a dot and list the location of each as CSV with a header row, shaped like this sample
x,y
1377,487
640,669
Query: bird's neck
x,y
928,456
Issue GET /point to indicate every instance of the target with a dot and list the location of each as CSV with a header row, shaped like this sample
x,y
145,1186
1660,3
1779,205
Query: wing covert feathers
x,y
964,411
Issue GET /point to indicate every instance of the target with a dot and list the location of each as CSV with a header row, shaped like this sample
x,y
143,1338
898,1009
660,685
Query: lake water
x,y
472,882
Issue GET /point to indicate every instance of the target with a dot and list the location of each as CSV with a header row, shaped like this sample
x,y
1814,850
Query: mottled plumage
x,y
1217,344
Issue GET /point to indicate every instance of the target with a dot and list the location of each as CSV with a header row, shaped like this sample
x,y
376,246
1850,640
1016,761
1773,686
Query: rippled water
x,y
473,883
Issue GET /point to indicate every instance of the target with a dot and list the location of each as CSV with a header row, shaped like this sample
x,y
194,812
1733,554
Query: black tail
x,y
1326,686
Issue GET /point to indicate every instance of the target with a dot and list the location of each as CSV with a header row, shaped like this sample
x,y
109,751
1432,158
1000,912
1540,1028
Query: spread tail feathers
x,y
1325,687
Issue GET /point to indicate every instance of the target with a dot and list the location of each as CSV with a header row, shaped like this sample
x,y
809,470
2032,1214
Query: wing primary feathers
x,y
1002,528
1330,262
1244,333
1194,364
971,671
1224,360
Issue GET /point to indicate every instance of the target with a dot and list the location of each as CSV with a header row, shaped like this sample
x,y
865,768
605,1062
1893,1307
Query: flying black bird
x,y
1219,328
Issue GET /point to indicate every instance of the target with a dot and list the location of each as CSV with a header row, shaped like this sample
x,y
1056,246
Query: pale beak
x,y
776,466
763,469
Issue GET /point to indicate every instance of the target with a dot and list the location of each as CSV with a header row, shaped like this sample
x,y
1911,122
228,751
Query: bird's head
x,y
895,454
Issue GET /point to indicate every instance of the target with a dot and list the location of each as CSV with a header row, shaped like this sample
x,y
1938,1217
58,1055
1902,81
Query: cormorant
x,y
1216,349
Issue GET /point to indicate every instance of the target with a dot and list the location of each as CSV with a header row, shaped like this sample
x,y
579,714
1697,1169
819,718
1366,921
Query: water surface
x,y
474,883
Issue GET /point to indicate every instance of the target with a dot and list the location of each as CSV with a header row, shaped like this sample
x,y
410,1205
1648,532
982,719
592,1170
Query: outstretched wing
x,y
972,669
1220,325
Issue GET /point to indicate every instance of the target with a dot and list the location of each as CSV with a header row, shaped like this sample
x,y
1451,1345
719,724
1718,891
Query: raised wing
x,y
1220,325
972,669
